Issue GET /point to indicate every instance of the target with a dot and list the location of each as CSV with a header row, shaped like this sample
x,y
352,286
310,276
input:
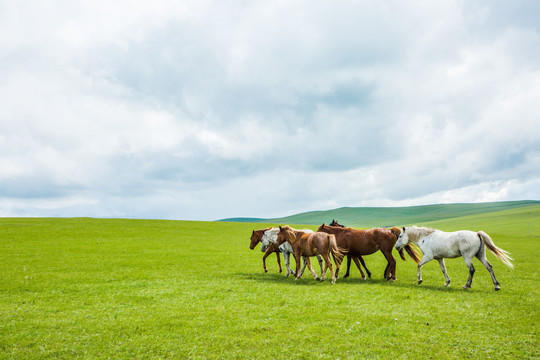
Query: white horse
x,y
270,236
437,244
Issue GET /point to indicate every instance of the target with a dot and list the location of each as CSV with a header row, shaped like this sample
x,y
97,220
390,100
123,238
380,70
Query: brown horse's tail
x,y
337,253
498,252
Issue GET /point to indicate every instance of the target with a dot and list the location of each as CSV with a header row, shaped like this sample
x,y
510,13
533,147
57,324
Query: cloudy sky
x,y
202,110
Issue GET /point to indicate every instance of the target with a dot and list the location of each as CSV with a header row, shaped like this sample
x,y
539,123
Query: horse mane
x,y
288,228
336,227
295,231
415,232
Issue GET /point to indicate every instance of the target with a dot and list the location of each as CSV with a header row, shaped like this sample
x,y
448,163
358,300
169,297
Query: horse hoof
x,y
419,281
345,276
497,288
392,280
466,287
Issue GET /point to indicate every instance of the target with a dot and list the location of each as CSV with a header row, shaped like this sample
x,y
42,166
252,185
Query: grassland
x,y
142,289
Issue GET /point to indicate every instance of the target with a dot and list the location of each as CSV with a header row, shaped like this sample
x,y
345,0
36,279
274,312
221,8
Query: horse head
x,y
335,223
256,237
402,240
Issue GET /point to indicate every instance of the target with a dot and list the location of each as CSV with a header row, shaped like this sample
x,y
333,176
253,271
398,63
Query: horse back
x,y
365,242
314,243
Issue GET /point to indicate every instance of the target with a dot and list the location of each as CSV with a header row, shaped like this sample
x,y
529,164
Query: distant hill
x,y
388,216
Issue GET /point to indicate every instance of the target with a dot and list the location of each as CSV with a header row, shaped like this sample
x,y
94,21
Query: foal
x,y
311,244
270,238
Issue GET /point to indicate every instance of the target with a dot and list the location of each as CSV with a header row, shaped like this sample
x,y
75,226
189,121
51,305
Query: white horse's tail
x,y
498,252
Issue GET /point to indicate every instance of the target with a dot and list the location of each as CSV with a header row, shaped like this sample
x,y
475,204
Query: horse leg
x,y
443,269
320,260
481,255
468,262
311,268
328,264
347,273
359,268
266,254
365,267
297,258
424,260
304,262
323,271
279,262
286,256
390,271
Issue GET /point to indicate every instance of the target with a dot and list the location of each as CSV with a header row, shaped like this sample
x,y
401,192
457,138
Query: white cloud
x,y
200,111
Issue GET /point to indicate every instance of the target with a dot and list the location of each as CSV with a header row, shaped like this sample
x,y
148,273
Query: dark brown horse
x,y
311,244
256,238
366,242
350,257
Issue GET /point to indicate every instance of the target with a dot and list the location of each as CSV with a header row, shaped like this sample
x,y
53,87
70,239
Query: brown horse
x,y
366,242
311,244
350,257
256,238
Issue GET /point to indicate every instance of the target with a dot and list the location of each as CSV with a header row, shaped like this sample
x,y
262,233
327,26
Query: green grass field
x,y
144,289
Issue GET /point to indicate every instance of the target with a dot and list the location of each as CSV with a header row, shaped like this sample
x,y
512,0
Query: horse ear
x,y
280,227
404,229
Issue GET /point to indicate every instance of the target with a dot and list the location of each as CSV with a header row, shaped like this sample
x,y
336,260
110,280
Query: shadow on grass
x,y
305,280
276,278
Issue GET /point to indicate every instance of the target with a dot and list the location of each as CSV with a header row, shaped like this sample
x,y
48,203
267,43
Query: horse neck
x,y
292,239
416,234
272,235
333,229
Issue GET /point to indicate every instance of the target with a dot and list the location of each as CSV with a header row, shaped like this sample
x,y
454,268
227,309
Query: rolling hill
x,y
388,216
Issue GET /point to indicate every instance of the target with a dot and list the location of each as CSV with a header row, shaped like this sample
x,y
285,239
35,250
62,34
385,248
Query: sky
x,y
202,110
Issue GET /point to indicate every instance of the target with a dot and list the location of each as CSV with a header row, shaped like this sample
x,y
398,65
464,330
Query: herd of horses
x,y
337,241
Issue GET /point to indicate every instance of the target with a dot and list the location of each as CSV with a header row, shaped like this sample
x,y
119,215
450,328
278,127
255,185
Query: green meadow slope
x,y
388,216
524,221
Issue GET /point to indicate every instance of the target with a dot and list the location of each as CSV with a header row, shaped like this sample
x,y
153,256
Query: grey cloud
x,y
293,105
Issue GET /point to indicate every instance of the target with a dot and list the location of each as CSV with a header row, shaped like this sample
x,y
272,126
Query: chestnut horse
x,y
350,257
256,237
311,244
270,237
366,242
